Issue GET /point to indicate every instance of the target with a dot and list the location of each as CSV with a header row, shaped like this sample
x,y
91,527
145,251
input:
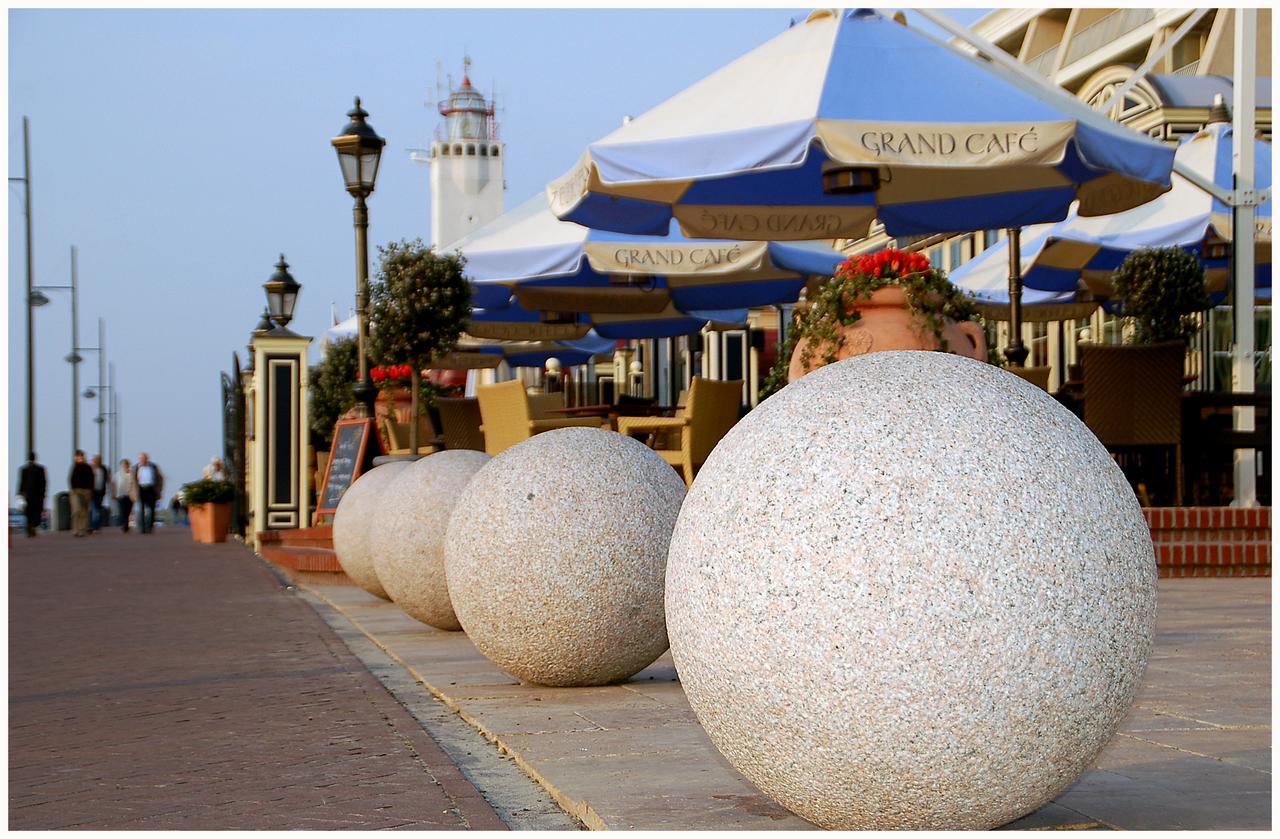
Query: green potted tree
x,y
1161,289
1133,392
209,507
418,306
889,300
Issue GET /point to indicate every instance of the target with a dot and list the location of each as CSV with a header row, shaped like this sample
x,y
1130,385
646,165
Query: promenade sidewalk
x,y
159,684
1195,751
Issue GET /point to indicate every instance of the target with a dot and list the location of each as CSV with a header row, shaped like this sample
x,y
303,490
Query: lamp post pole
x,y
25,180
102,358
365,392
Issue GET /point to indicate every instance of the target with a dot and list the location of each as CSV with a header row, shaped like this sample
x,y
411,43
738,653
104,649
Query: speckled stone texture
x,y
556,554
357,514
408,545
910,590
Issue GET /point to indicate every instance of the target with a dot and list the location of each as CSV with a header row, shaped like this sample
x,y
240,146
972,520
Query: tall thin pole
x,y
31,341
102,357
1242,235
1016,352
111,394
74,358
365,392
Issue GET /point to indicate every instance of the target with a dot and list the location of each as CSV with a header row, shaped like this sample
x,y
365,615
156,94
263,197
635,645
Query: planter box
x,y
210,522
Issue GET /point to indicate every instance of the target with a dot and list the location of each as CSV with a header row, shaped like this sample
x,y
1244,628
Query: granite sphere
x,y
354,521
910,590
556,554
408,544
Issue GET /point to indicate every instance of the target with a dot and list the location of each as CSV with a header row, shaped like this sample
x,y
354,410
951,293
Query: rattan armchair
x,y
1038,376
711,411
460,422
1133,398
397,434
508,418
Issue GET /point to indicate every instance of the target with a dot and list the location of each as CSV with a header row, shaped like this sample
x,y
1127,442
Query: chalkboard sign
x,y
350,455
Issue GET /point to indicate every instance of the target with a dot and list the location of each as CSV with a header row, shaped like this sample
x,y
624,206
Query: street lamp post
x,y
359,152
25,180
95,390
38,298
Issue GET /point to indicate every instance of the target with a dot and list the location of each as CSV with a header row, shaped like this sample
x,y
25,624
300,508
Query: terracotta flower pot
x,y
886,323
210,522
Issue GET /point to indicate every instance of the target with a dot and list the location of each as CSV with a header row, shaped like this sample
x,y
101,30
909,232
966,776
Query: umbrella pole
x,y
1242,257
1015,352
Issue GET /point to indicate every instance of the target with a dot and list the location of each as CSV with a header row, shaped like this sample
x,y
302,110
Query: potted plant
x,y
1133,392
1161,289
209,506
419,304
889,300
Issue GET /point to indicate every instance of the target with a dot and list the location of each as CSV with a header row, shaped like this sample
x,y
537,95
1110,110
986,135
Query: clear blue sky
x,y
183,151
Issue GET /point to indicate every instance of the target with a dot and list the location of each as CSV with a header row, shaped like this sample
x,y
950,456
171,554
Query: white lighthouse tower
x,y
467,187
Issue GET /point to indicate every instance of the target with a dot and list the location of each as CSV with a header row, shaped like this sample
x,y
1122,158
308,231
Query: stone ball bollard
x,y
910,590
353,522
556,554
407,542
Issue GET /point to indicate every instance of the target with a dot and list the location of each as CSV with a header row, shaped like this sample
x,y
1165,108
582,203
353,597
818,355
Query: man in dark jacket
x,y
149,484
81,480
33,483
100,512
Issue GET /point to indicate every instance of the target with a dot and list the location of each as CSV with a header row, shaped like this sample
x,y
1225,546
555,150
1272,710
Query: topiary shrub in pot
x,y
209,507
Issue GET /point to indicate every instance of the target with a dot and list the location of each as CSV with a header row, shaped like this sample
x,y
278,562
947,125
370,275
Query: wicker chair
x,y
460,420
542,404
397,434
1038,376
508,418
1133,398
711,411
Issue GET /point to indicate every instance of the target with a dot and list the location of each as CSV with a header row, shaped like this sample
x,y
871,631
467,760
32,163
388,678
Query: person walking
x,y
81,481
149,485
100,512
33,483
124,493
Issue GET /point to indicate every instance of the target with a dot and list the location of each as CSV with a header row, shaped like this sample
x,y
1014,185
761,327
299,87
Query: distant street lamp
x,y
282,293
359,152
39,298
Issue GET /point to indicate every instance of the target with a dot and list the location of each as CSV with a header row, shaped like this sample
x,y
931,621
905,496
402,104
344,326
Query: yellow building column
x,y
278,482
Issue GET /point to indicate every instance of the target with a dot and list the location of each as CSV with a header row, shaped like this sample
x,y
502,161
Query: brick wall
x,y
1211,541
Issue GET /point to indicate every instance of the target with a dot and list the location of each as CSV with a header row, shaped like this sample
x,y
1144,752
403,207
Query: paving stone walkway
x,y
1194,753
159,684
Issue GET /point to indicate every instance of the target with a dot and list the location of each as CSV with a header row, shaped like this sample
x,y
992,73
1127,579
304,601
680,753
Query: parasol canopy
x,y
847,117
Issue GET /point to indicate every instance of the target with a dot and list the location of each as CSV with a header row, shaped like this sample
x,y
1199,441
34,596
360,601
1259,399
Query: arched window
x,y
471,149
457,148
444,150
493,151
484,151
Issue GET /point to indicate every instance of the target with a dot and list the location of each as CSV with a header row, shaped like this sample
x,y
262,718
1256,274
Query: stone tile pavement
x,y
1194,753
159,684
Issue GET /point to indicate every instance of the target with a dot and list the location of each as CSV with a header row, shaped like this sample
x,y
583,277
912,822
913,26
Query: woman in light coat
x,y
126,493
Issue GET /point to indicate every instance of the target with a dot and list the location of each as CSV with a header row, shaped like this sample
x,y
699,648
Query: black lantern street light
x,y
359,151
282,294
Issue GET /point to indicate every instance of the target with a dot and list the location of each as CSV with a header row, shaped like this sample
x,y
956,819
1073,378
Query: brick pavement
x,y
159,684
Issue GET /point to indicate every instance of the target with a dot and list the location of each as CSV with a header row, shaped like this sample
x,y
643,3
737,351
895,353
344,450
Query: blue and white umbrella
x,y
477,353
514,322
899,127
1080,254
556,266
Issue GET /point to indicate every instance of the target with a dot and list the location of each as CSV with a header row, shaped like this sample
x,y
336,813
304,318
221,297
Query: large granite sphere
x,y
556,553
910,591
358,514
408,544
